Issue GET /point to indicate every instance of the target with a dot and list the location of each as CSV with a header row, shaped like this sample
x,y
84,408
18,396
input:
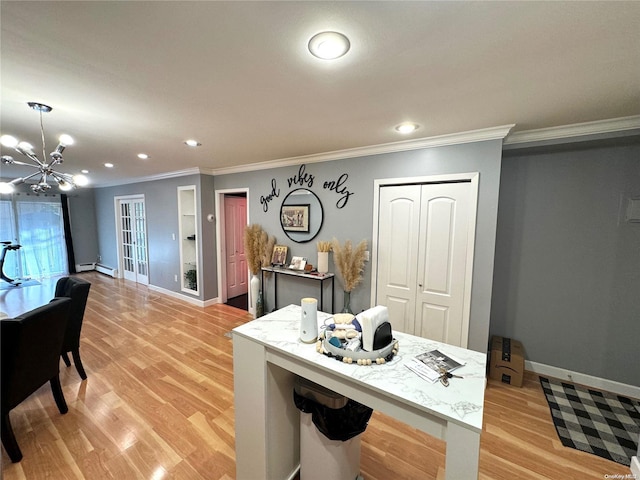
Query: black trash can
x,y
331,427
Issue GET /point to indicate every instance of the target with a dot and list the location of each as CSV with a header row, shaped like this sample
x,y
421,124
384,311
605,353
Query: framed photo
x,y
295,218
298,263
279,256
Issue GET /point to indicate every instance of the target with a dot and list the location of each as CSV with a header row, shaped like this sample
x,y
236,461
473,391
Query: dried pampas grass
x,y
349,262
258,247
323,246
267,252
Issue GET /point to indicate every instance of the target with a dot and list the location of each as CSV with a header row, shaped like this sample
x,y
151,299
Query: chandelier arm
x,y
31,156
61,176
29,176
23,164
55,161
55,177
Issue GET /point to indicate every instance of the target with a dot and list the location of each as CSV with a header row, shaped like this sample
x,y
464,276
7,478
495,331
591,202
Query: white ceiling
x,y
131,77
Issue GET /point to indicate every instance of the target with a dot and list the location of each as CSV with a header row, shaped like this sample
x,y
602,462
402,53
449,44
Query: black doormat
x,y
601,423
241,301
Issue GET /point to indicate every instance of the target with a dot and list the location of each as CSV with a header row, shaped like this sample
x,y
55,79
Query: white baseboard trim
x,y
635,467
193,301
584,379
211,301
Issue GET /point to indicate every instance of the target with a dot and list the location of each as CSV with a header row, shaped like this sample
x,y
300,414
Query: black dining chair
x,y
78,291
31,345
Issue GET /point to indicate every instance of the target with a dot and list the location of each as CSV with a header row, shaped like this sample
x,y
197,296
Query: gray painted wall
x,y
355,220
84,233
208,245
567,271
161,203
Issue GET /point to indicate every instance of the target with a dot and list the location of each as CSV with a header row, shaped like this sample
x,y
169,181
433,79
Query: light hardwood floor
x,y
158,404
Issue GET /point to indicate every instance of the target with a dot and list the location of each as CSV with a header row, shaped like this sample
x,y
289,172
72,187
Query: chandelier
x,y
45,172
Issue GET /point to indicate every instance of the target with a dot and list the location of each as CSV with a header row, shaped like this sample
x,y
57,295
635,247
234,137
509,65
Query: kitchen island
x,y
267,356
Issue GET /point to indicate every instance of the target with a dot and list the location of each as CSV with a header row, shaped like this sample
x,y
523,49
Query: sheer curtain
x,y
35,222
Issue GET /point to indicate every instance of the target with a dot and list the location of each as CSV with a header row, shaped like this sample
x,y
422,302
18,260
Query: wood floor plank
x,y
158,404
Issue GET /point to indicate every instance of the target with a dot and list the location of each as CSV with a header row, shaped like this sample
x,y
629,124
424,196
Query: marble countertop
x,y
462,402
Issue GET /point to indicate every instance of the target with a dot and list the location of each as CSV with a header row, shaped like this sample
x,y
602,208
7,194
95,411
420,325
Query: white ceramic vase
x,y
323,262
255,291
309,320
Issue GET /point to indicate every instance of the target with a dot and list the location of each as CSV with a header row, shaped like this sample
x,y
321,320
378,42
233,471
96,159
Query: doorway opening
x,y
233,273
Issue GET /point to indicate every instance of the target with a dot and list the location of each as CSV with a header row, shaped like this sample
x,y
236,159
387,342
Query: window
x,y
36,223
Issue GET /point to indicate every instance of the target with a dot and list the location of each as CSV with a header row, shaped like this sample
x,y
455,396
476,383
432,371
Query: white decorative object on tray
x,y
365,339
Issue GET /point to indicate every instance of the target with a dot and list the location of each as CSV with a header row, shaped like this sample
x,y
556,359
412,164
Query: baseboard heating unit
x,y
85,267
112,272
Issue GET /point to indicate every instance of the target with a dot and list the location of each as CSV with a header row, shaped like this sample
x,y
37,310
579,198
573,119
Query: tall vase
x,y
259,305
255,291
347,303
323,262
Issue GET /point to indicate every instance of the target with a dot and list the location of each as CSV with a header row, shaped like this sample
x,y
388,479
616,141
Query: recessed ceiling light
x,y
84,171
329,45
407,127
192,143
108,165
143,156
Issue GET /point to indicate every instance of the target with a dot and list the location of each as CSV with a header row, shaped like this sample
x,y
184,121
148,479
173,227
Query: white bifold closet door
x,y
423,258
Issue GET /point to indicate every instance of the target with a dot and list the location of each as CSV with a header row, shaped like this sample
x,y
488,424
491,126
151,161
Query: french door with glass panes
x,y
132,239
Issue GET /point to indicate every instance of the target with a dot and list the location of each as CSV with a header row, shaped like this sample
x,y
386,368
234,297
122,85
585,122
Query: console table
x,y
321,277
267,356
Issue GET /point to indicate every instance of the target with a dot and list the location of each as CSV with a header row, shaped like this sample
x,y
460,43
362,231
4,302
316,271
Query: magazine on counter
x,y
429,365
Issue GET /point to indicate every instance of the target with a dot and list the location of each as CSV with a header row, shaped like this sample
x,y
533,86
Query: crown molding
x,y
153,178
544,136
491,133
574,131
481,135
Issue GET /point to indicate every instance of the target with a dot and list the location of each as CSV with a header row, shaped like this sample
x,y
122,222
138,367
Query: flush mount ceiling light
x,y
192,143
45,168
329,45
407,127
